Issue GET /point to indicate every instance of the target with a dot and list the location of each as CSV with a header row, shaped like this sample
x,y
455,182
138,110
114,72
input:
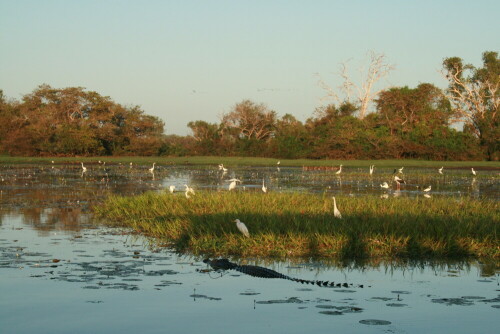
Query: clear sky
x,y
192,60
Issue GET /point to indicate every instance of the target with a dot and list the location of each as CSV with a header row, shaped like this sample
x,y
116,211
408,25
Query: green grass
x,y
249,161
302,225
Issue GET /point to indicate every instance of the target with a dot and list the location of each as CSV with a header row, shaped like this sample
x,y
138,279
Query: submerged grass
x,y
303,225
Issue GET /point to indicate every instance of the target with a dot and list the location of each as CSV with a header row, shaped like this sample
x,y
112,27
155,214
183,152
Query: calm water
x,y
60,273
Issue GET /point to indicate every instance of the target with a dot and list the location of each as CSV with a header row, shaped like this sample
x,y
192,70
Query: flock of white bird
x,y
336,213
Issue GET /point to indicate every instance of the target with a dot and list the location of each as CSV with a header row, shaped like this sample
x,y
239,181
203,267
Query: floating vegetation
x,y
303,225
453,301
195,295
374,322
291,300
396,305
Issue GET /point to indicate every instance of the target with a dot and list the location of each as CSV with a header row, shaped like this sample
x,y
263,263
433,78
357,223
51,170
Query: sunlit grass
x,y
302,225
249,161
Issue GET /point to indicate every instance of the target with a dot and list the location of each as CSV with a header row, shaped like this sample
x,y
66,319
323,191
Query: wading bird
x,y
152,169
264,189
242,227
384,185
400,171
336,212
188,191
399,181
172,188
473,171
222,168
84,169
372,167
440,170
130,165
232,185
339,171
427,189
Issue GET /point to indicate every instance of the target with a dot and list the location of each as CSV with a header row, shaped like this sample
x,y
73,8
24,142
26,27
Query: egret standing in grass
x,y
242,227
232,185
336,212
440,170
400,171
372,167
384,185
188,191
427,189
84,169
172,188
264,189
473,171
339,171
152,169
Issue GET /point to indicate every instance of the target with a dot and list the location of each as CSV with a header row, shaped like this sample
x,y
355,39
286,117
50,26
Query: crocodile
x,y
257,271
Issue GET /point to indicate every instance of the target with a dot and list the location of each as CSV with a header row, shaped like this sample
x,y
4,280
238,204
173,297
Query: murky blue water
x,y
60,273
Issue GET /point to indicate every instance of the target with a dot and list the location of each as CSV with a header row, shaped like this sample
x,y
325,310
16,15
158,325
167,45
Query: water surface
x,y
61,273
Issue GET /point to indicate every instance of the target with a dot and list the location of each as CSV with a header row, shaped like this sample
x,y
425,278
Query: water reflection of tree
x,y
49,199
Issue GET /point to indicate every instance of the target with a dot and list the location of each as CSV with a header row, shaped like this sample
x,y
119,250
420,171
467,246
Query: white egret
x,y
400,170
440,170
336,212
172,188
278,163
130,165
473,171
399,181
372,167
232,185
84,169
264,188
152,169
384,185
242,227
189,189
339,171
427,189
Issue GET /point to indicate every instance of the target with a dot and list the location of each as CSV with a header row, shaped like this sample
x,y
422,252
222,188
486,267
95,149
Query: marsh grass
x,y
302,225
248,161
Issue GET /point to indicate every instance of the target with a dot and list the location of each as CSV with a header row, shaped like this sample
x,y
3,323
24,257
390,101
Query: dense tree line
x,y
72,121
407,123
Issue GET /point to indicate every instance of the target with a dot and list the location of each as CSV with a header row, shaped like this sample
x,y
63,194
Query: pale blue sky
x,y
188,60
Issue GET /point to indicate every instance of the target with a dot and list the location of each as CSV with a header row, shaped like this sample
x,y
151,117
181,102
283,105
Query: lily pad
x,y
375,322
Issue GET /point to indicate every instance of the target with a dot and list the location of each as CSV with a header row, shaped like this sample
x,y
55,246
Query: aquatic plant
x,y
298,224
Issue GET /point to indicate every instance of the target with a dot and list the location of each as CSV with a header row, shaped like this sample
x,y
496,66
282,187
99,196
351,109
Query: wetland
x,y
62,270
